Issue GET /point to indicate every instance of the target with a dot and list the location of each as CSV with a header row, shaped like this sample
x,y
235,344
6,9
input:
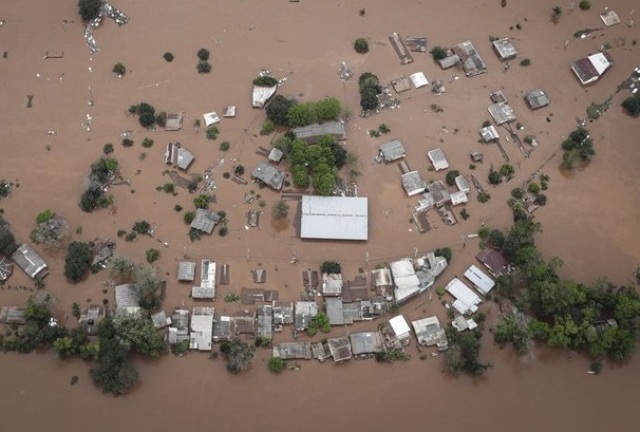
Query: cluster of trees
x,y
318,322
276,365
369,87
37,332
288,112
463,352
77,263
8,243
632,105
577,148
391,356
280,210
102,173
238,354
145,279
89,9
565,314
506,171
316,164
147,115
5,188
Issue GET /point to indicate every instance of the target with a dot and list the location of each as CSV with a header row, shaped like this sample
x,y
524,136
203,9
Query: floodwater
x,y
591,220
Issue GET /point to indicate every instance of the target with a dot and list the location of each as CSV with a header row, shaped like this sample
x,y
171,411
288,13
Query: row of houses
x,y
587,69
395,334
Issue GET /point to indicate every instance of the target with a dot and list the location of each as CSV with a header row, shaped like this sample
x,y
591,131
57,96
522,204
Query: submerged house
x,y
536,99
304,312
466,300
392,151
438,159
207,288
502,113
179,329
204,220
201,335
178,156
413,183
6,268
186,271
30,262
429,333
494,261
268,175
589,69
504,48
471,62
366,343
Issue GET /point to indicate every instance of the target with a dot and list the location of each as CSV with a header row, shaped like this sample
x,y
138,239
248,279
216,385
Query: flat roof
x,y
334,218
438,159
392,150
505,48
400,326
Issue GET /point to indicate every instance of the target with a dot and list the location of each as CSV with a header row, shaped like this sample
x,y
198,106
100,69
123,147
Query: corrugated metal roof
x,y
335,218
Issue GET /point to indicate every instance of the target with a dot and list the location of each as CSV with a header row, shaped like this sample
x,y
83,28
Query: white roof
x,y
480,280
418,79
462,292
438,159
208,274
405,279
211,118
463,308
600,62
201,332
462,184
334,218
400,326
260,95
458,198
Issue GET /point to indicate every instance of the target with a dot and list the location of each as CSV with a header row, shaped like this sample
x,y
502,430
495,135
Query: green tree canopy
x,y
89,9
78,261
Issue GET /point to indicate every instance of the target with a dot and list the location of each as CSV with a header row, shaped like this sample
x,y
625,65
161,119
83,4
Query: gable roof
x,y
313,132
30,262
205,220
268,175
590,69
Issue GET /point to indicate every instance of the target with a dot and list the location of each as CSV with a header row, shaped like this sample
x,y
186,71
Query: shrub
x,y
225,145
161,119
212,132
525,62
383,128
202,201
119,69
141,227
168,57
203,54
483,197
331,267
188,217
89,9
152,255
169,188
494,177
276,365
107,148
464,214
280,210
517,193
177,208
127,142
8,243
451,177
438,53
203,67
147,143
361,46
534,187
267,127
222,231
45,216
541,199
265,81
440,291
585,5
239,170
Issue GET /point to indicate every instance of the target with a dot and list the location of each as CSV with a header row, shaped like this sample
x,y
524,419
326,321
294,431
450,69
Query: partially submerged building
x,y
392,151
30,262
282,315
396,333
382,281
178,156
127,301
504,48
429,333
293,351
91,316
481,282
340,348
366,343
179,329
204,220
536,99
268,175
419,80
6,268
207,288
413,183
174,121
160,320
589,69
264,318
12,315
470,60
462,184
489,133
201,335
334,218
186,271
493,261
400,48
305,311
312,133
438,159
466,300
502,113
335,310
332,285
261,95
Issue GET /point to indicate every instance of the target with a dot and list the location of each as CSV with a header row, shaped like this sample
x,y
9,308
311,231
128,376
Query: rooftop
x,y
340,348
472,63
205,220
392,150
590,69
366,343
438,159
334,218
312,133
537,99
186,271
268,175
502,113
413,183
505,48
30,262
178,156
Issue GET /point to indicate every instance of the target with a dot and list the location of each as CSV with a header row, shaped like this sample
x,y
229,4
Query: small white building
x,y
458,198
207,288
466,300
419,80
438,159
462,184
400,327
405,280
201,334
479,279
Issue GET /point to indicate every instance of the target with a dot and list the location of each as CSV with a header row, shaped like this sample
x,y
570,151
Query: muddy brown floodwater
x,y
591,220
